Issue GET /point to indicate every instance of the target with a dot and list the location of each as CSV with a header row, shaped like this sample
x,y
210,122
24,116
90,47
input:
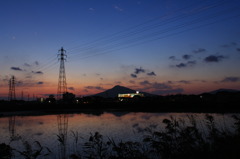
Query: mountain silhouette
x,y
223,90
113,92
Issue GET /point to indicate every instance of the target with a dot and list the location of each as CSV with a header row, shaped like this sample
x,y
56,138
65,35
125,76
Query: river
x,y
120,126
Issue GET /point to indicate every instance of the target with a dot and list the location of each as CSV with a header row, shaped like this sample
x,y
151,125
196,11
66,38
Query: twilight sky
x,y
156,46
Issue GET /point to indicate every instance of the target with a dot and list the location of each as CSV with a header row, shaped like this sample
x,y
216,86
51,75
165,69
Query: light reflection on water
x,y
117,125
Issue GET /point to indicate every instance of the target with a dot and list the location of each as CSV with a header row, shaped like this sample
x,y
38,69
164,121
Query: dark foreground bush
x,y
5,151
178,139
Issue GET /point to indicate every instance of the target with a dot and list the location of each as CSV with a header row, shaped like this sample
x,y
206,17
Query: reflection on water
x,y
12,127
60,132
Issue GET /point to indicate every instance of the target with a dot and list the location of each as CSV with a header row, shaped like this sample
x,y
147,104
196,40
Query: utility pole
x,y
11,94
62,84
22,95
10,89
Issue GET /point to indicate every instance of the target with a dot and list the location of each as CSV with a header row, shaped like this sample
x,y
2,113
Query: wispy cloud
x,y
144,83
94,87
16,69
37,72
132,82
169,91
71,88
170,82
191,63
184,82
186,57
133,75
151,74
91,9
200,50
187,64
28,83
117,8
4,78
155,85
172,58
159,88
232,44
27,65
139,70
118,82
36,63
181,65
214,58
231,79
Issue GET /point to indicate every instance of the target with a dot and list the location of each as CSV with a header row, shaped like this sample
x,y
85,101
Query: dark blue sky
x,y
179,46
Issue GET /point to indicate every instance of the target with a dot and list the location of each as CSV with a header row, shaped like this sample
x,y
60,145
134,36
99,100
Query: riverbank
x,y
101,107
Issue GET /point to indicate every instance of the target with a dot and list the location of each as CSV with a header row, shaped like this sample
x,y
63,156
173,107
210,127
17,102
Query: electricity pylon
x,y
11,94
62,84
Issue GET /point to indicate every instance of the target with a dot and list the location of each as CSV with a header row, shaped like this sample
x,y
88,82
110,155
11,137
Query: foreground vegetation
x,y
179,139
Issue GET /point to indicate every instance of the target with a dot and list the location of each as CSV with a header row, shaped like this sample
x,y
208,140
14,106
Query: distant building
x,y
68,97
41,100
51,99
127,96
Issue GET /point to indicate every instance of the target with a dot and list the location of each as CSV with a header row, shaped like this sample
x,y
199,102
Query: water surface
x,y
125,126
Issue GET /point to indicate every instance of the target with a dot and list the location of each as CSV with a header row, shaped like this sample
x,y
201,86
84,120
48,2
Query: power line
x,y
158,38
46,64
137,40
130,28
136,30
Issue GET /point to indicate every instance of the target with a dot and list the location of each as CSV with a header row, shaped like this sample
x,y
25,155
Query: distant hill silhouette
x,y
113,92
223,90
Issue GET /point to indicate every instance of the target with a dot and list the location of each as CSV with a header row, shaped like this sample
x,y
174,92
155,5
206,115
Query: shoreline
x,y
100,108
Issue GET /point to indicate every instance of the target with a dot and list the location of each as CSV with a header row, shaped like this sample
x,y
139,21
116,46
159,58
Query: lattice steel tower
x,y
11,94
62,84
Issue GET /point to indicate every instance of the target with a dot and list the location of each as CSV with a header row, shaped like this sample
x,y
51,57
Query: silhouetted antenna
x,y
22,95
62,84
10,90
11,94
